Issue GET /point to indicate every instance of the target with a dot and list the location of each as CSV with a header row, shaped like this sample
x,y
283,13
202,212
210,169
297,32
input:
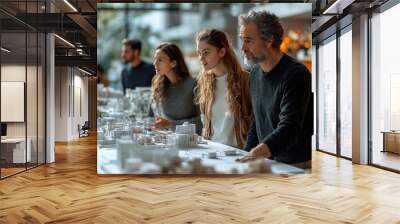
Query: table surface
x,y
390,132
13,140
107,161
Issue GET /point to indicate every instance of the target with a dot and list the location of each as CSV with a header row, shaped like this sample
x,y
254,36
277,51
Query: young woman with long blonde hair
x,y
222,90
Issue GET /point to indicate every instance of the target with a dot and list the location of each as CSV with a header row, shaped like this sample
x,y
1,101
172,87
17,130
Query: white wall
x,y
61,103
81,82
16,73
10,73
71,94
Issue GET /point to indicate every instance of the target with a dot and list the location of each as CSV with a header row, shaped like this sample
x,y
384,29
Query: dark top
x,y
139,76
178,106
283,110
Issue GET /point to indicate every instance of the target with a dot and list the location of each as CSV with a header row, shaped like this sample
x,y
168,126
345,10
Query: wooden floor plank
x,y
70,191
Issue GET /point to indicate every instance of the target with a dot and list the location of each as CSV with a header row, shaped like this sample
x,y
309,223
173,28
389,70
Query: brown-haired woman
x,y
173,89
222,90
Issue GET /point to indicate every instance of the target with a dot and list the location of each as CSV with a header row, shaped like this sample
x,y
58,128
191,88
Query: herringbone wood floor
x,y
70,191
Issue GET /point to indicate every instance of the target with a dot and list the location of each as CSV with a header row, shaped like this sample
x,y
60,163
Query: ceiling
x,y
330,15
74,21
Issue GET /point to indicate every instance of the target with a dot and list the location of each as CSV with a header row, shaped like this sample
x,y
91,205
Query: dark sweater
x,y
283,110
139,76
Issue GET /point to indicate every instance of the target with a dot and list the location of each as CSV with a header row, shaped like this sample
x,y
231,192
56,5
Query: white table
x,y
18,149
107,162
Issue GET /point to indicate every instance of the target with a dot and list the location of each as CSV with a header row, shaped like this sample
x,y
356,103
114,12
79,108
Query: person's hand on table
x,y
161,123
260,151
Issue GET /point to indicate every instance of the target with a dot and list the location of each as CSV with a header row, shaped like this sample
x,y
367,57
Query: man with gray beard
x,y
280,89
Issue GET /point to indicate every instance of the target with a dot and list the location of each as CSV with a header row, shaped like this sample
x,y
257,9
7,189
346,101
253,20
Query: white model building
x,y
185,136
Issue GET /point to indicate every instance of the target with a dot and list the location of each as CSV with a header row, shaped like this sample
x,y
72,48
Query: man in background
x,y
137,73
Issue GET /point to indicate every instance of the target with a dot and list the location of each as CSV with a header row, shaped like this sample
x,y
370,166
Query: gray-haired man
x,y
280,89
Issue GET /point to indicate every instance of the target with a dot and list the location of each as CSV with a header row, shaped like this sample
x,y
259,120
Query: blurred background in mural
x,y
154,23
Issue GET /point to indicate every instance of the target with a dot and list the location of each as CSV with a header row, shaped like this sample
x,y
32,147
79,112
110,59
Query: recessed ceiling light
x,y
5,49
64,40
70,5
86,72
337,7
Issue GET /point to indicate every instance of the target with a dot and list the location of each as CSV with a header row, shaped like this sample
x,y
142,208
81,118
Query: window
x,y
327,96
346,93
22,74
385,88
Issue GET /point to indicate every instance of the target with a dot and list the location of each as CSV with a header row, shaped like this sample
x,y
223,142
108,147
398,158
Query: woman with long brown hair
x,y
222,90
173,89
